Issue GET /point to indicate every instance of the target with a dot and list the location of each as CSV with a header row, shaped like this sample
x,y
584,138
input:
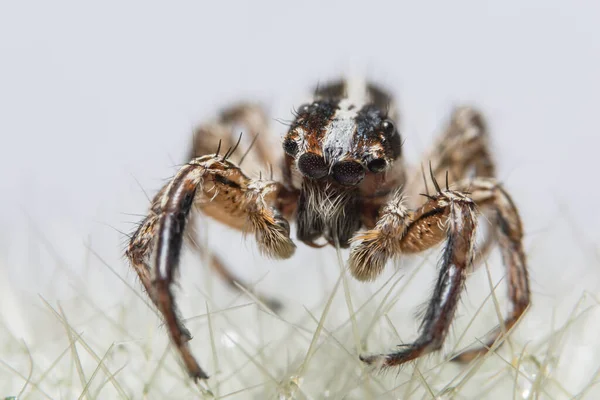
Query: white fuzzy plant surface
x,y
79,339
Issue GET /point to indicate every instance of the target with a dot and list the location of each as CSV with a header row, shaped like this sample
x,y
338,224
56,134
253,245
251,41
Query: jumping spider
x,y
344,182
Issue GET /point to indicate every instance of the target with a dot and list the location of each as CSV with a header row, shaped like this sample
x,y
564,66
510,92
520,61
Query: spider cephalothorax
x,y
344,180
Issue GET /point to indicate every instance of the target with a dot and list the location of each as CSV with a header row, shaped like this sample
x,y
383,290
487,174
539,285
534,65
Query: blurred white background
x,y
95,98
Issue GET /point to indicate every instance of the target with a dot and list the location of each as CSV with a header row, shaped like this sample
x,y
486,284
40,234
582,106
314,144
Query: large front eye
x,y
348,173
312,165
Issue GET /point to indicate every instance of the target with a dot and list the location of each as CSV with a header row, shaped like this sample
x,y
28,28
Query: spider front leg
x,y
448,215
224,132
139,253
220,190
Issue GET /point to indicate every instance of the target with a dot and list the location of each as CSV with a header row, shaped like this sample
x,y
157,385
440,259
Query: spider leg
x,y
449,213
139,249
246,117
233,281
139,252
449,216
223,133
461,151
488,194
376,246
221,190
175,207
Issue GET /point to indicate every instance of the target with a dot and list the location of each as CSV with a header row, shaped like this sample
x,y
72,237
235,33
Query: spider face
x,y
340,145
341,140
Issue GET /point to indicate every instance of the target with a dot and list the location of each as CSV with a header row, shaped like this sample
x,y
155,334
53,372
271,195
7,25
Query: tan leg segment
x,y
462,151
376,246
248,117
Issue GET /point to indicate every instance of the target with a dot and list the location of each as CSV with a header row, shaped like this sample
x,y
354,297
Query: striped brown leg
x,y
139,253
221,190
489,195
449,216
463,151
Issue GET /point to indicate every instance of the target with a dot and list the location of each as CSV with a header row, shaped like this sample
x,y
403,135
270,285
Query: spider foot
x,y
198,375
377,360
186,336
194,370
405,353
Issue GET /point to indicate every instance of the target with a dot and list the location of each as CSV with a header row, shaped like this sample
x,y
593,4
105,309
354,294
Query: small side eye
x,y
290,147
303,109
387,126
377,165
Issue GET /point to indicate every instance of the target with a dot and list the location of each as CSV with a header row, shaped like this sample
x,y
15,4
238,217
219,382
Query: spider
x,y
344,183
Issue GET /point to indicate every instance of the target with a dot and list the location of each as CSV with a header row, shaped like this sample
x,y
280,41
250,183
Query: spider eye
x,y
290,147
387,126
377,165
303,109
348,173
312,165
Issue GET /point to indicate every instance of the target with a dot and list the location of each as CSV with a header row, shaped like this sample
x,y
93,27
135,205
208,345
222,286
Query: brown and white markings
x,y
343,184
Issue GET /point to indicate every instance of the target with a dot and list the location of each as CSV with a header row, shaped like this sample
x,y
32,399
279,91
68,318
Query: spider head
x,y
339,141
